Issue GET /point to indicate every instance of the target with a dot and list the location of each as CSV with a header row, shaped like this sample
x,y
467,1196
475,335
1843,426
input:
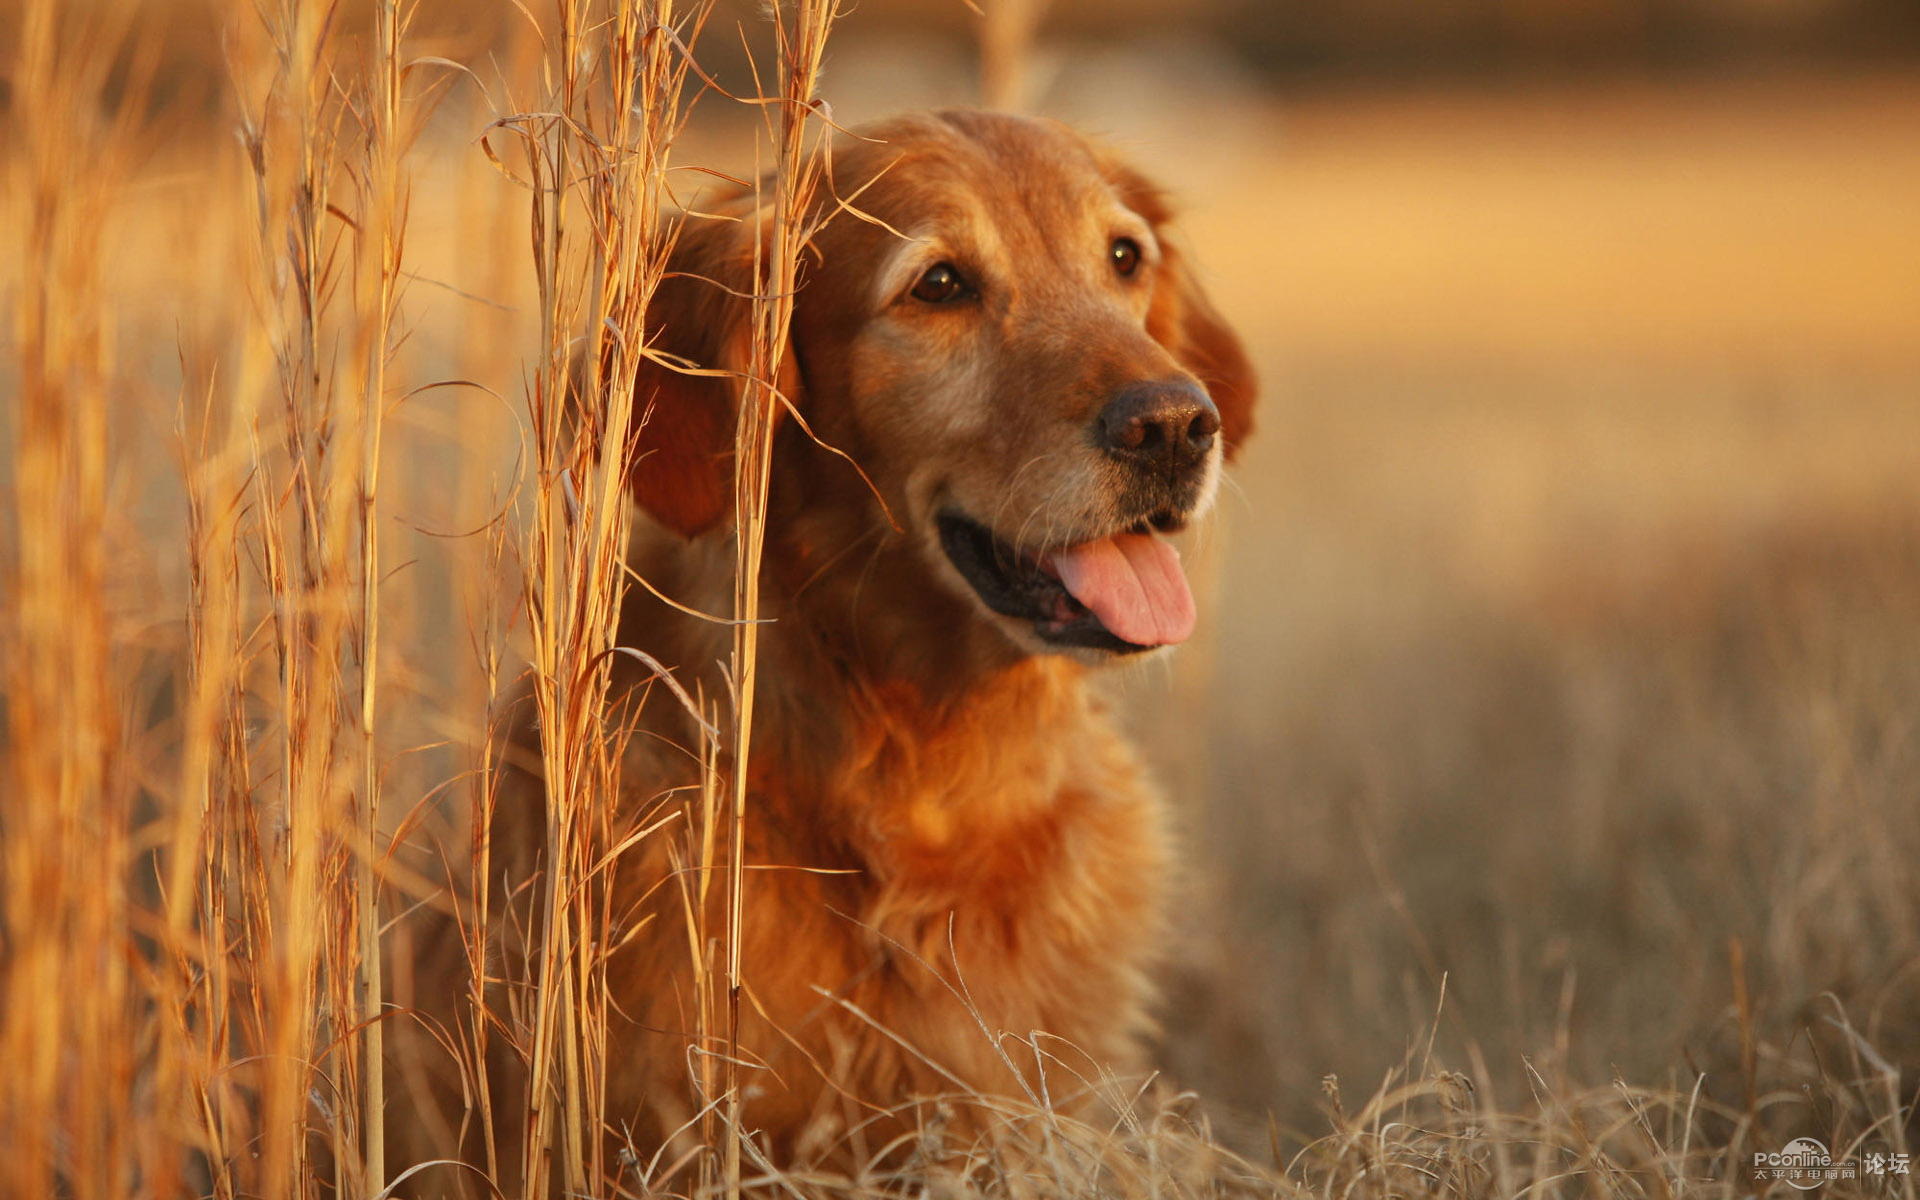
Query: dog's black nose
x,y
1169,424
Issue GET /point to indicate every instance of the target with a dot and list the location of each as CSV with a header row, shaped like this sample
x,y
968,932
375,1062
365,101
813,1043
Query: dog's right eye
x,y
941,284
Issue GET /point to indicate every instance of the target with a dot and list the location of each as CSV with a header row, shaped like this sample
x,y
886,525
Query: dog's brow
x,y
953,234
1128,223
903,263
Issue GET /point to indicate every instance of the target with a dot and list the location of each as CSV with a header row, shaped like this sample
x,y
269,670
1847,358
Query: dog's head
x,y
1008,340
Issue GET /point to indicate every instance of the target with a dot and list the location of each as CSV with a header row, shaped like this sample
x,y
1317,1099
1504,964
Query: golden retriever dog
x,y
950,841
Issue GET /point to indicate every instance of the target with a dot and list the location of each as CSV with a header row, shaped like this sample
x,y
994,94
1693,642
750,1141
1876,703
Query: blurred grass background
x,y
1564,640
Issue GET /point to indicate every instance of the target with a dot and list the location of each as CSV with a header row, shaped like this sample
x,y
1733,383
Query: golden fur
x,y
957,843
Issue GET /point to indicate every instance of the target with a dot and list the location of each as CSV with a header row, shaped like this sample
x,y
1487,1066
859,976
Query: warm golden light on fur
x,y
952,844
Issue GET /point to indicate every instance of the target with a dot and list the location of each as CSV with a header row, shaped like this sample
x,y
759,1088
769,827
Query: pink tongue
x,y
1134,584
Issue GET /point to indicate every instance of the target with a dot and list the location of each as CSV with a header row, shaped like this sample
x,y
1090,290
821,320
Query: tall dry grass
x,y
255,887
65,751
311,473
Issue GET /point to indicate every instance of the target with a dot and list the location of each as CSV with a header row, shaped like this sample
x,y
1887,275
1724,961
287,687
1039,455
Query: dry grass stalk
x,y
63,760
790,129
274,860
596,160
1006,31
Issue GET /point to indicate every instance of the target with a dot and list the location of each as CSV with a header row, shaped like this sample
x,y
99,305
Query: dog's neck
x,y
878,644
874,674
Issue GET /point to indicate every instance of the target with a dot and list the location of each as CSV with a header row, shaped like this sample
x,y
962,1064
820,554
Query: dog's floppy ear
x,y
700,316
1182,318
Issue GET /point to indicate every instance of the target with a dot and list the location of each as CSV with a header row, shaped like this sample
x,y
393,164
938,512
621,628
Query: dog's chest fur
x,y
952,891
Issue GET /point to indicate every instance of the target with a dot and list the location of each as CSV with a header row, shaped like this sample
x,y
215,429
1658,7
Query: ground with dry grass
x,y
1548,769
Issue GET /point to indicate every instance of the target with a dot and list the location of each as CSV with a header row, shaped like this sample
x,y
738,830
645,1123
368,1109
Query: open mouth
x,y
1122,593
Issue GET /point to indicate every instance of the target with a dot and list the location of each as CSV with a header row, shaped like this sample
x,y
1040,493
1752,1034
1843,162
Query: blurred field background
x,y
1556,716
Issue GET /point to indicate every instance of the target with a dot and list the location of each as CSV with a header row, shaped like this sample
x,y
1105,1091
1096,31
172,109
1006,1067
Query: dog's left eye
x,y
1126,255
941,284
